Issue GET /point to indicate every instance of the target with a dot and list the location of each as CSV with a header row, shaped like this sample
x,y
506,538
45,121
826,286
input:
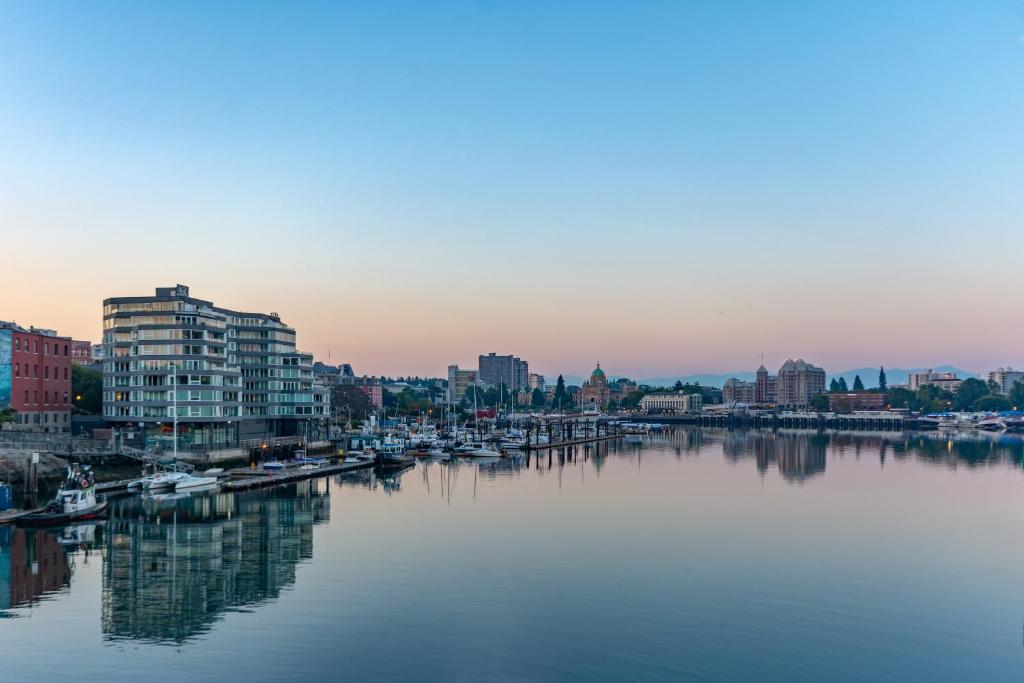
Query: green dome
x,y
598,374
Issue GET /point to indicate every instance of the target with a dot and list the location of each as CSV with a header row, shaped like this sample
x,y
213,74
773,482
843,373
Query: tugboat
x,y
75,501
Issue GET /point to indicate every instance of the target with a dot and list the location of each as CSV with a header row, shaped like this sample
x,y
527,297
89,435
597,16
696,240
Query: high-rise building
x,y
1004,379
35,377
535,381
796,384
511,371
459,381
233,375
946,381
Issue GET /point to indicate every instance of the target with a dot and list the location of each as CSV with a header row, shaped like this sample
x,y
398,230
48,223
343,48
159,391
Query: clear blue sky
x,y
664,186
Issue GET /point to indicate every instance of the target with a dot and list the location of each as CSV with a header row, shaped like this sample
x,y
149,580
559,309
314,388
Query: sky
x,y
666,187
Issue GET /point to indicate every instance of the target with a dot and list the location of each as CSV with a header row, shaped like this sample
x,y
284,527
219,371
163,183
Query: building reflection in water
x,y
797,456
32,565
171,568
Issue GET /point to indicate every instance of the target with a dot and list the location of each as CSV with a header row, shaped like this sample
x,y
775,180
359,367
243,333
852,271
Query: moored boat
x,y
75,501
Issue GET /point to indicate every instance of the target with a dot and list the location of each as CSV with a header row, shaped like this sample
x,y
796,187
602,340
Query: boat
x,y
163,481
476,449
303,459
191,483
75,501
273,465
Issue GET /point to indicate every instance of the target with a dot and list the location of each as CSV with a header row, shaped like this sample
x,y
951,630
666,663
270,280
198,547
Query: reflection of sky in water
x,y
716,555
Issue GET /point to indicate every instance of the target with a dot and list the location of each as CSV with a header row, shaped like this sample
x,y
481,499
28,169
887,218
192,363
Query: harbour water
x,y
695,555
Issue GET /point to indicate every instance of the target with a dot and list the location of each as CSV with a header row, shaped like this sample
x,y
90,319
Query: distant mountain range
x,y
867,375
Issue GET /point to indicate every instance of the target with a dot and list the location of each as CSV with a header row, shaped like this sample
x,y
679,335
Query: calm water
x,y
707,556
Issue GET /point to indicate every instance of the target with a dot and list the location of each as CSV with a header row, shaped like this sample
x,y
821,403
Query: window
x,y
46,348
17,369
46,372
65,374
46,398
26,397
65,349
35,371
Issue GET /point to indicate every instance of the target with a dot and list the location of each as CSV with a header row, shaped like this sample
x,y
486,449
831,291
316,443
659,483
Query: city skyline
x,y
666,188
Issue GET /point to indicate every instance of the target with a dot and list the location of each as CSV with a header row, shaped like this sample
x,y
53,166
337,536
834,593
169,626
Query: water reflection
x,y
171,569
33,564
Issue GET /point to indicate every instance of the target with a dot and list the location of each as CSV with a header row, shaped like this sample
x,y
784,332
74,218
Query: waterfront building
x,y
35,377
849,402
459,381
595,391
234,375
511,371
600,392
796,383
1004,379
946,381
738,391
672,403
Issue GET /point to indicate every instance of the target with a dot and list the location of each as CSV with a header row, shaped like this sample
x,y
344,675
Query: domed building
x,y
595,391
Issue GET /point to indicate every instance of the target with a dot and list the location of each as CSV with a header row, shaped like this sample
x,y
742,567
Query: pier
x,y
738,419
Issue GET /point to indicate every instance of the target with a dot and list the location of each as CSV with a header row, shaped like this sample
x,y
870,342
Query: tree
x,y
883,384
857,384
842,384
631,401
678,386
8,415
833,386
561,399
971,389
990,402
1017,395
932,399
349,400
537,399
902,398
820,403
87,390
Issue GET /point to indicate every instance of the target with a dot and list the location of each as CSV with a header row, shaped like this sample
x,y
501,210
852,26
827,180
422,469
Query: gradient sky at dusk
x,y
669,187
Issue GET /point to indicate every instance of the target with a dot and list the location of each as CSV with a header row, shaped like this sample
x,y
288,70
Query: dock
x,y
244,479
571,442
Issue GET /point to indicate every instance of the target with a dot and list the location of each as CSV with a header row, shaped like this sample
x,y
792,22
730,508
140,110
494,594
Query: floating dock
x,y
571,442
244,479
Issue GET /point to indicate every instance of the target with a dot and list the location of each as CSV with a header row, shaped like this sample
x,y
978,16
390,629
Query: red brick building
x,y
35,377
851,402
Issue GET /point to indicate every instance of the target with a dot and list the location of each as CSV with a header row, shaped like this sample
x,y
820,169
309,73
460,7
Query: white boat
x,y
190,482
162,481
476,449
